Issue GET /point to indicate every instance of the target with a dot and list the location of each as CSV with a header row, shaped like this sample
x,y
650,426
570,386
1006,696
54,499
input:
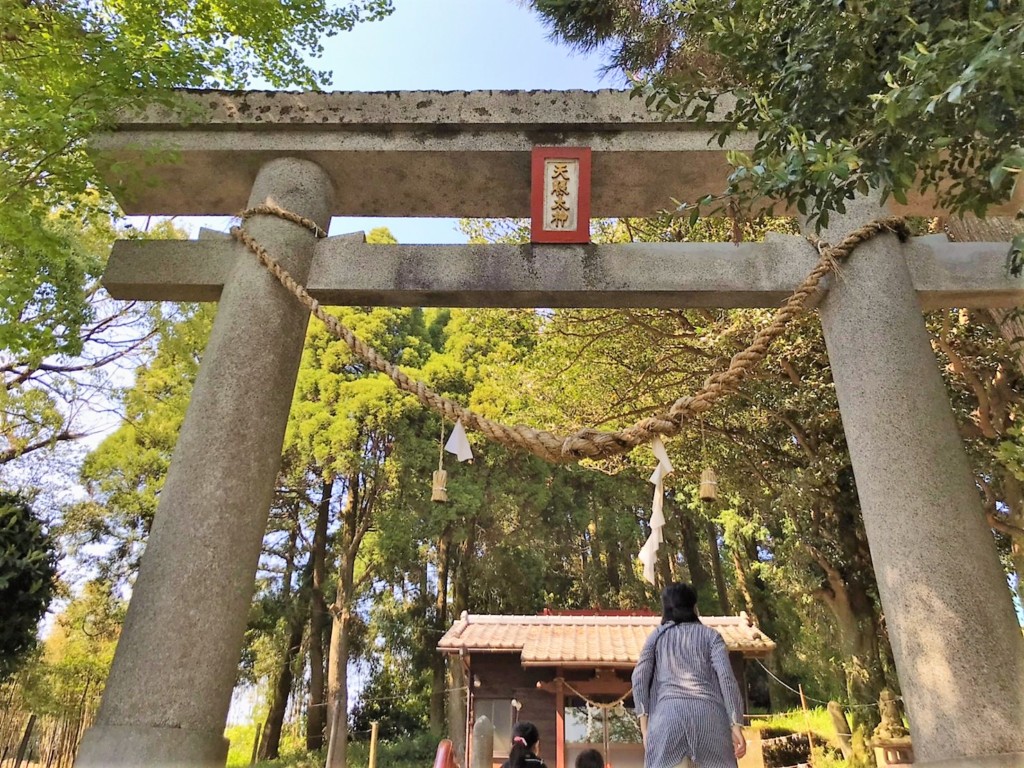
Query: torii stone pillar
x,y
176,663
955,639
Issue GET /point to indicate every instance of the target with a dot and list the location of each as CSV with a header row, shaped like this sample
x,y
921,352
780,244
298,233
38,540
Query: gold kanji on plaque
x,y
560,199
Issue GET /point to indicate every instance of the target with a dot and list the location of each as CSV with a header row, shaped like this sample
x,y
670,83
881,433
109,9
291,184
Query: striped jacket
x,y
684,682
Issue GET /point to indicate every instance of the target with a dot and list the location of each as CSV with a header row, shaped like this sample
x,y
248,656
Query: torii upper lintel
x,y
414,153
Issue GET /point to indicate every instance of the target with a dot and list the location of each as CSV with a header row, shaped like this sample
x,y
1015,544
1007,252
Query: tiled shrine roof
x,y
590,640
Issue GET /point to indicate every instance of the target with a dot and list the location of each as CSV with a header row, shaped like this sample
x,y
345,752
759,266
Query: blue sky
x,y
452,45
457,45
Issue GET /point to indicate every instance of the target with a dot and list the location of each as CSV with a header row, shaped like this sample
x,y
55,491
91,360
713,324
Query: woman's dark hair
x,y
524,738
679,603
589,758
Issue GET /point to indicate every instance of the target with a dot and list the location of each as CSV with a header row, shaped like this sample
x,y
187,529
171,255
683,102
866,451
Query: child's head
x,y
524,741
589,758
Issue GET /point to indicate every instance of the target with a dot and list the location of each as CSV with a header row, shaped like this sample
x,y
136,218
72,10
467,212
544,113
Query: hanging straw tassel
x,y
439,481
708,479
439,492
708,485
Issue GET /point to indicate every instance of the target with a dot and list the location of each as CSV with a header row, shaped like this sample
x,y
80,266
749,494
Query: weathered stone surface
x,y
483,743
114,746
968,275
170,270
484,108
411,153
955,639
347,271
170,685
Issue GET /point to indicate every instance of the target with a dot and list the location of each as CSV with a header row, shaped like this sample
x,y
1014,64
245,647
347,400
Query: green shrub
x,y
413,752
796,721
785,735
28,574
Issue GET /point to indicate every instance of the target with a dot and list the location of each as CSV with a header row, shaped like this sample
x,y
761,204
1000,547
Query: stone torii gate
x,y
957,646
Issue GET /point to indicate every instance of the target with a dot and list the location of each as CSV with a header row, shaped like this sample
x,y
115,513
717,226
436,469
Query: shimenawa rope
x,y
585,443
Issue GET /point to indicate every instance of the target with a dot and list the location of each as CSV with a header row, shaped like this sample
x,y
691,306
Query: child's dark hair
x,y
524,738
679,603
590,758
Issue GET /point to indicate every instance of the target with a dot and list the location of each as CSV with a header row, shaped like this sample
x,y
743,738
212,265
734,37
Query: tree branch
x,y
10,454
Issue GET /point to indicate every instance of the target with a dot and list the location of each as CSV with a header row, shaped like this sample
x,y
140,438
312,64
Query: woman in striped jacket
x,y
690,708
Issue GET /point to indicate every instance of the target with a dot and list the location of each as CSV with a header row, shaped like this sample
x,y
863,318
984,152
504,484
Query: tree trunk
x,y
337,664
699,578
864,677
437,660
457,702
25,740
356,516
613,569
316,713
856,618
743,581
270,744
337,688
464,575
716,568
461,578
842,729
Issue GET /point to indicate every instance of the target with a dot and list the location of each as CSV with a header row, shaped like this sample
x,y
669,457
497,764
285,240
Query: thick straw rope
x,y
586,443
599,704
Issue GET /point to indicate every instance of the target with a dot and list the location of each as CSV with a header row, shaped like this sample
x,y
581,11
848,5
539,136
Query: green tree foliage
x,y
68,677
842,96
52,378
66,70
398,688
125,473
28,574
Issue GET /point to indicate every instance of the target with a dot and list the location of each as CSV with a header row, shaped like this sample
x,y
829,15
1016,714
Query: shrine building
x,y
569,674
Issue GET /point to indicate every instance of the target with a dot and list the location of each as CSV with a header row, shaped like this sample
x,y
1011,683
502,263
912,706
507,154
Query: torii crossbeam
x,y
348,272
957,646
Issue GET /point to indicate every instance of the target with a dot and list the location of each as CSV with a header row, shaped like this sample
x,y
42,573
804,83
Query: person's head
x,y
590,758
679,603
524,741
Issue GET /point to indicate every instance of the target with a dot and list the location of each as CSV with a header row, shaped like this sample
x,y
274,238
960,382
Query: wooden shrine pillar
x,y
559,722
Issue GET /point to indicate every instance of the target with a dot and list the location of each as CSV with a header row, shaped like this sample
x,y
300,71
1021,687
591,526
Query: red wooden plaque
x,y
560,195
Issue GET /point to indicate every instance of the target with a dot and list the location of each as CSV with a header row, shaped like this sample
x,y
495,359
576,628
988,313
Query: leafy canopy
x,y
902,96
67,69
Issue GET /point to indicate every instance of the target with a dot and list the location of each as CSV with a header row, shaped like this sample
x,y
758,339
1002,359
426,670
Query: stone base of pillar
x,y
151,747
1006,760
